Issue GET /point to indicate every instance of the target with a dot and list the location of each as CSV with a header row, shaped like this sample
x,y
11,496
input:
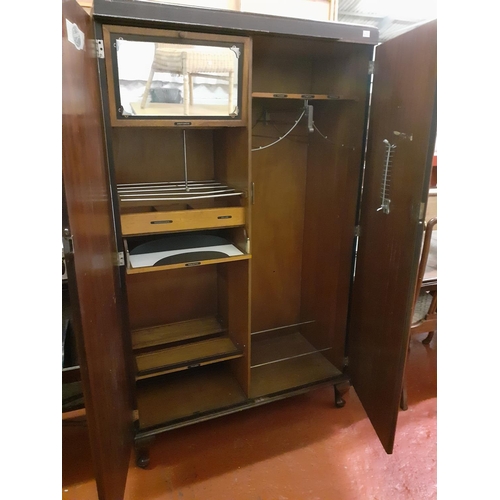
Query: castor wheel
x,y
142,446
142,461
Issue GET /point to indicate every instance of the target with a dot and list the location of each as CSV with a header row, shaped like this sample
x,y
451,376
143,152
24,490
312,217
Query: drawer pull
x,y
225,217
191,264
167,221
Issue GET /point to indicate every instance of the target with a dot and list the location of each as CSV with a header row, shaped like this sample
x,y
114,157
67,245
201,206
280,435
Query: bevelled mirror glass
x,y
156,77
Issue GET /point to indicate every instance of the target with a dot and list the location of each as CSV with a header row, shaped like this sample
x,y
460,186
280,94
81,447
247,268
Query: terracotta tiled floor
x,y
296,449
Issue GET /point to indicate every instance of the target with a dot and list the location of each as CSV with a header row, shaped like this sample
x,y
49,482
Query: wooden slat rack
x,y
172,333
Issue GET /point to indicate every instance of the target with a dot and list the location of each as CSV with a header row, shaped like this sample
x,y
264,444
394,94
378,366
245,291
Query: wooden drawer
x,y
182,220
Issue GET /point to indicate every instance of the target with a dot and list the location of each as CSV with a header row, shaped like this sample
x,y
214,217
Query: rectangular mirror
x,y
157,76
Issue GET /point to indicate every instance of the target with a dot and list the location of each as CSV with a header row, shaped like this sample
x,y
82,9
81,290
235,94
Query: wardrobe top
x,y
170,16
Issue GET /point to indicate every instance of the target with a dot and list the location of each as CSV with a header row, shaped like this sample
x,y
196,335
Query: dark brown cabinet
x,y
245,211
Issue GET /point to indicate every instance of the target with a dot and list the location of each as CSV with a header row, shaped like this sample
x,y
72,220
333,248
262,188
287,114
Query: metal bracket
x,y
309,115
119,259
402,135
67,242
357,231
236,51
371,67
96,48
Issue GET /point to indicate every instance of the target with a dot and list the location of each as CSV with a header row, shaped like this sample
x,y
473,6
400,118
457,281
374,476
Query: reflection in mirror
x,y
166,79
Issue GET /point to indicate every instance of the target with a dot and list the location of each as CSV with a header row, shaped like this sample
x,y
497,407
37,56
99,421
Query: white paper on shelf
x,y
150,259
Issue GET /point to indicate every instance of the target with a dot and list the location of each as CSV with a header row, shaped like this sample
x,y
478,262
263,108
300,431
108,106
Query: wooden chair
x,y
424,311
190,62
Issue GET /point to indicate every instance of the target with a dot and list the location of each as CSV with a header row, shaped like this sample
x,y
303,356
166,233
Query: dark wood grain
x,y
92,274
333,176
403,101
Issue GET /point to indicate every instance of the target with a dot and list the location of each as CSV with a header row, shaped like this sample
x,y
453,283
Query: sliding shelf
x,y
179,250
282,362
323,97
183,357
145,338
191,263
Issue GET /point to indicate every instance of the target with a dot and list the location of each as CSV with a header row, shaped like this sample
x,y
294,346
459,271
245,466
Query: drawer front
x,y
182,220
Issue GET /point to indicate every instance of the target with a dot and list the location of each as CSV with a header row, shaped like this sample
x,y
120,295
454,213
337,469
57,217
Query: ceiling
x,y
391,17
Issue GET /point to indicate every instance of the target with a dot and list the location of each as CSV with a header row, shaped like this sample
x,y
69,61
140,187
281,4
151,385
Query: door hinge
x,y
67,242
119,259
135,415
421,214
357,231
346,361
96,48
371,67
252,193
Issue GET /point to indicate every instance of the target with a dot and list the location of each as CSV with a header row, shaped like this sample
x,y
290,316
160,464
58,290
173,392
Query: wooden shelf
x,y
234,258
283,362
179,250
186,356
282,95
72,396
279,347
291,373
144,338
182,395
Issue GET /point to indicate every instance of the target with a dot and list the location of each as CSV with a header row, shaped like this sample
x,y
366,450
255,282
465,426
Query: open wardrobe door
x,y
401,138
90,254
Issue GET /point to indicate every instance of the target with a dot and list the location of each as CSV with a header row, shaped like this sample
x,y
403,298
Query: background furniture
x,y
424,317
190,62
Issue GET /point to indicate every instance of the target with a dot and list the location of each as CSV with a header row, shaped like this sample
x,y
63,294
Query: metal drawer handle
x,y
167,221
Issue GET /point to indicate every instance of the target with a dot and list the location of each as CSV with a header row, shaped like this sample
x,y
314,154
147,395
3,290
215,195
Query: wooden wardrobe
x,y
245,207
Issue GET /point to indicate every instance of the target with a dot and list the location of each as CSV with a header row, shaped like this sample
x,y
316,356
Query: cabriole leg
x,y
340,390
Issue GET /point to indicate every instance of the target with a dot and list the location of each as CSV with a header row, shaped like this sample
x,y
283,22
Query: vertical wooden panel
x,y
403,101
279,174
91,271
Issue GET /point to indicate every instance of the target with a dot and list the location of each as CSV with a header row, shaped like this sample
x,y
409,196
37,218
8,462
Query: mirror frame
x,y
111,32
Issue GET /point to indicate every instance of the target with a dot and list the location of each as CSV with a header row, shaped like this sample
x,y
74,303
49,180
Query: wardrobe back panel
x,y
154,155
175,295
279,175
